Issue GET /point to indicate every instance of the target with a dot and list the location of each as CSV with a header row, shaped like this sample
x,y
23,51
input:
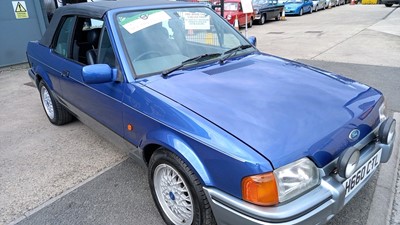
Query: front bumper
x,y
315,207
292,11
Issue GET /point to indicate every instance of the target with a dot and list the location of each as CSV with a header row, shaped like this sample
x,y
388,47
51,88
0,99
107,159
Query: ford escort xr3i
x,y
230,135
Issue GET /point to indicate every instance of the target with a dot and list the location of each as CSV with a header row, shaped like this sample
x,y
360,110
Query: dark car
x,y
389,3
267,9
228,134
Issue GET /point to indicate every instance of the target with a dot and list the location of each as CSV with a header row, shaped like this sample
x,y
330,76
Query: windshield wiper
x,y
231,52
190,61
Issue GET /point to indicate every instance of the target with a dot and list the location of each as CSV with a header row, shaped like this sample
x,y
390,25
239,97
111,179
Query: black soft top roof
x,y
96,10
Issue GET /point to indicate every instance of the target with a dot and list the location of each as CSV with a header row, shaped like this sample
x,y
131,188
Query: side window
x,y
64,36
106,53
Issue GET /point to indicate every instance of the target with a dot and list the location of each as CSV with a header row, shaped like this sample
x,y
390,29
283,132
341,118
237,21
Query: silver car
x,y
319,4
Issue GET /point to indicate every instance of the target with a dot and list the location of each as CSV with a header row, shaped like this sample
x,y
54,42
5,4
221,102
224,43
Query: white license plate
x,y
362,173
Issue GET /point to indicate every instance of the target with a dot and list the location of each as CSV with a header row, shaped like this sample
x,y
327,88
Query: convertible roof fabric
x,y
96,10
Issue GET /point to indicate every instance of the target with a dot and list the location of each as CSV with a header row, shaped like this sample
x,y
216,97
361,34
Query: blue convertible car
x,y
230,135
298,7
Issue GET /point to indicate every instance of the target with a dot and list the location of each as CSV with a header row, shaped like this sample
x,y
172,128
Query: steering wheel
x,y
148,53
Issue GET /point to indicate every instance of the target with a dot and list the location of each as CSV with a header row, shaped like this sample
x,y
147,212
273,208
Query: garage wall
x,y
16,33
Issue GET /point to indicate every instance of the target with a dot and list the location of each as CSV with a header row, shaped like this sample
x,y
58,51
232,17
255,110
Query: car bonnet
x,y
283,109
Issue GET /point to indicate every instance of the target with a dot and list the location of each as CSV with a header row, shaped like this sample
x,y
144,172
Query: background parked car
x,y
328,3
319,4
389,3
298,7
233,9
266,10
341,2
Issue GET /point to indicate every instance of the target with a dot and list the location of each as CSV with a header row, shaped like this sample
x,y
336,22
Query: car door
x,y
59,53
100,101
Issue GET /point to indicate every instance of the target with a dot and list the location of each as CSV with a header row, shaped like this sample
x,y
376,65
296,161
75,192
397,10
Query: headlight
x,y
282,184
228,17
382,112
296,178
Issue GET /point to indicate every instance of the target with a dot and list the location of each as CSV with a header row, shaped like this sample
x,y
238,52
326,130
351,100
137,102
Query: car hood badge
x,y
354,134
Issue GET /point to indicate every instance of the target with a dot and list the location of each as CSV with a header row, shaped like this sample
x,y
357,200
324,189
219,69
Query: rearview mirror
x,y
98,73
252,40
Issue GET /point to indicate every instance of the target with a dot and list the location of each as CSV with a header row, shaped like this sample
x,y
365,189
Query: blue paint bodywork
x,y
293,8
247,116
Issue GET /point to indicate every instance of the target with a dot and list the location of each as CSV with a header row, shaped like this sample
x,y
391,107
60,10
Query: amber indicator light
x,y
260,189
130,127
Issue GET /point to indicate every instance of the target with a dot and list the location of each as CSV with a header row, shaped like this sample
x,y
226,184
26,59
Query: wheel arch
x,y
40,75
177,145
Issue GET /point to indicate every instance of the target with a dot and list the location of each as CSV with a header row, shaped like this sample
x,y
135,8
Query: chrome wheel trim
x,y
173,194
47,103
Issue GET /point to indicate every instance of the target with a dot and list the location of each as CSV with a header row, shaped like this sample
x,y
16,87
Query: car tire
x,y
301,12
250,24
316,8
278,17
166,167
262,19
388,5
311,11
55,112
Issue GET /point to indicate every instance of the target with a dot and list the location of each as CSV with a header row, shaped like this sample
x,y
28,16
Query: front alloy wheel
x,y
262,20
177,192
250,24
278,17
173,194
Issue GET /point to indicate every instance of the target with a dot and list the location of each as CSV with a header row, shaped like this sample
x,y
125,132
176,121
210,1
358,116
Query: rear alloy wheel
x,y
262,20
316,8
55,112
177,192
388,5
311,10
301,12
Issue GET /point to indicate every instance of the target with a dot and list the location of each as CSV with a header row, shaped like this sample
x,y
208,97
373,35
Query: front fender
x,y
180,147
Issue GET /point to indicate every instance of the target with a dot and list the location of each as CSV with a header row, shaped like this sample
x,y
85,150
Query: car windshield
x,y
158,40
231,6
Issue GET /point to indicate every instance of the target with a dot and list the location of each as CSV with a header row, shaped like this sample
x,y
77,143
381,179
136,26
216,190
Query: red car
x,y
233,9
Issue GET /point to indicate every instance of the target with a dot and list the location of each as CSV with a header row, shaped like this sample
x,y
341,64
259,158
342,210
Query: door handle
x,y
65,73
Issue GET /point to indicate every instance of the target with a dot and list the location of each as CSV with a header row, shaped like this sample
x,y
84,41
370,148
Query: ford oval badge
x,y
354,134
